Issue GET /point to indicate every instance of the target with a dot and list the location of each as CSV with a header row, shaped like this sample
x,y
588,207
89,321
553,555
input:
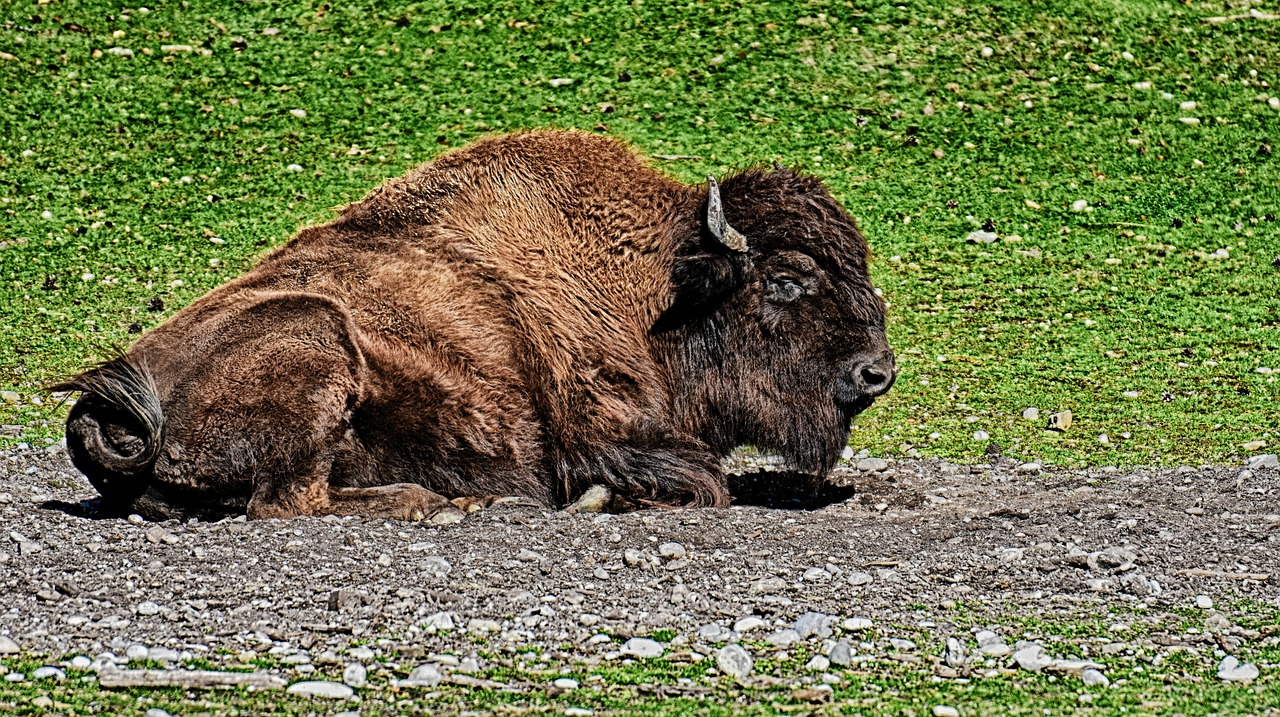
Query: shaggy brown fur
x,y
529,315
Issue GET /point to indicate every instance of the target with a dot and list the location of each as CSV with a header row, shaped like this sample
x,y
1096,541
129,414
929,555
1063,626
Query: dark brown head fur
x,y
529,315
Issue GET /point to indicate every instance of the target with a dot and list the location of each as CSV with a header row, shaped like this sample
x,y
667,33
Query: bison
x,y
531,315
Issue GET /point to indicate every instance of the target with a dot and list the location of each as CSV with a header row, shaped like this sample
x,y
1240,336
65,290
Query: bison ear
x,y
726,235
700,284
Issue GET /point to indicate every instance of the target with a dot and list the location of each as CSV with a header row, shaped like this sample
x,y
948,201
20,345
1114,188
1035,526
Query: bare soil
x,y
923,545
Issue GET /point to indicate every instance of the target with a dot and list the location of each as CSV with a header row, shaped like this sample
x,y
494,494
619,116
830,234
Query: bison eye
x,y
783,290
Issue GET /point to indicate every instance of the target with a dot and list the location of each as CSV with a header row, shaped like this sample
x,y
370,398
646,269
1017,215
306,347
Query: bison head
x,y
779,333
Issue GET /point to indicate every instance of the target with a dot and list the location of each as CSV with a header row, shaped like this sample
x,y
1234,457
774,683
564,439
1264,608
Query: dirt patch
x,y
922,545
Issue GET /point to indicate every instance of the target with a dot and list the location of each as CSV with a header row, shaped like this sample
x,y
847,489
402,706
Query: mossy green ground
x,y
167,172
1145,682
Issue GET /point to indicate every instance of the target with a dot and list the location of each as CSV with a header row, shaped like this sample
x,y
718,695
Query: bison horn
x,y
719,226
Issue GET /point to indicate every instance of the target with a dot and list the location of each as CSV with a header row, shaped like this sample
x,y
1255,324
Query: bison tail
x,y
117,426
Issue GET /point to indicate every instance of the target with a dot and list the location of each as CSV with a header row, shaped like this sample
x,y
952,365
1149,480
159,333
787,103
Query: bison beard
x,y
529,316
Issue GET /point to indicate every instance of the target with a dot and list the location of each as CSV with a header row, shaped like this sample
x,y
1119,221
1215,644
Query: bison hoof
x,y
447,517
595,500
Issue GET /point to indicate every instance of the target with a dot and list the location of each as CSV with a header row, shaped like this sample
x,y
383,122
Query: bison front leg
x,y
398,501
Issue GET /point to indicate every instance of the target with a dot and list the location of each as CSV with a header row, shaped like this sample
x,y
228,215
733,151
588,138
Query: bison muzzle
x,y
531,315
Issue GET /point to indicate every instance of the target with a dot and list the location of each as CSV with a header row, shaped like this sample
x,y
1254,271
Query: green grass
x,y
143,161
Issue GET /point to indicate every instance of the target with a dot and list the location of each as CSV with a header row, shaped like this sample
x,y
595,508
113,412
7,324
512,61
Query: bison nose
x,y
873,377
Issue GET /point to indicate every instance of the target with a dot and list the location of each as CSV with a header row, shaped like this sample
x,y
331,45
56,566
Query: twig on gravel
x,y
1201,573
189,679
1251,15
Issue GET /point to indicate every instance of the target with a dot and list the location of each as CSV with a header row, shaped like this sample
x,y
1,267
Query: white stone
x,y
1094,678
147,608
642,647
322,688
981,436
566,683
299,113
8,646
1204,602
1230,670
988,52
355,675
734,661
855,624
747,624
48,673
945,711
1032,657
818,664
1079,205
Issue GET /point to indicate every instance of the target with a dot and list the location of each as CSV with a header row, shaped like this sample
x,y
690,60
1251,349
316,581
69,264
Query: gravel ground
x,y
892,550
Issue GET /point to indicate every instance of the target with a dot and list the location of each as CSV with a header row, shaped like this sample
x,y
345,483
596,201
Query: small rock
x,y
578,712
872,465
672,551
48,673
633,557
299,113
981,237
818,664
747,624
321,688
147,608
1204,602
813,623
423,676
734,661
1060,421
1031,414
987,52
1253,445
355,675
1266,460
1079,205
945,711
1094,678
1031,657
642,647
899,643
1114,558
1031,467
1231,670
956,654
8,646
137,653
783,638
559,81
981,436
157,712
479,626
565,683
715,632
841,653
857,577
529,556
434,622
855,624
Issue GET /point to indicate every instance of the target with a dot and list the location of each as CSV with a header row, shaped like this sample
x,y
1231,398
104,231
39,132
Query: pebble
x,y
734,661
294,168
956,654
1204,602
899,643
435,566
747,624
1079,205
633,557
355,675
945,711
156,712
137,653
434,622
841,653
857,577
987,52
1274,103
80,662
1189,120
818,664
8,646
1231,670
578,712
1094,678
981,237
715,632
48,673
423,676
480,625
321,688
783,638
1031,467
813,623
147,608
1266,460
299,113
855,624
1031,657
1253,445
872,465
559,81
566,683
672,551
15,677
642,647
981,436
1031,414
